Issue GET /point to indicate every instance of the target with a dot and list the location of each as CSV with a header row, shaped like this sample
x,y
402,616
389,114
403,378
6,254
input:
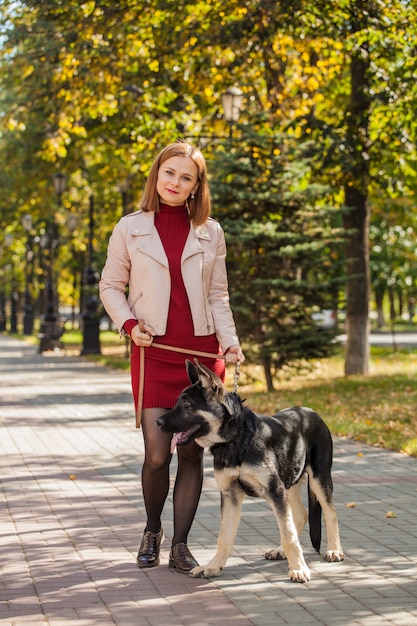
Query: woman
x,y
171,256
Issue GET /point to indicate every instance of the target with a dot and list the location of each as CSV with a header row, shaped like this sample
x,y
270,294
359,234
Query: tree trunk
x,y
266,362
392,314
356,218
379,299
358,282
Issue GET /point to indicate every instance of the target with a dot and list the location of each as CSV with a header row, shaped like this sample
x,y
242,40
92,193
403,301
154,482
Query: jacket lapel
x,y
193,245
147,239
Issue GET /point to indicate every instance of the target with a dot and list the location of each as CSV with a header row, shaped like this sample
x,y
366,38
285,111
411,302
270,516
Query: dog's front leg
x,y
231,507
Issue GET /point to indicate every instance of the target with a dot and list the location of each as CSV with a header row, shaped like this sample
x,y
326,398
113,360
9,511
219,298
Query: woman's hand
x,y
142,338
234,354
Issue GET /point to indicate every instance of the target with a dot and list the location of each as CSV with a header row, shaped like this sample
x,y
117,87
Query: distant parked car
x,y
326,319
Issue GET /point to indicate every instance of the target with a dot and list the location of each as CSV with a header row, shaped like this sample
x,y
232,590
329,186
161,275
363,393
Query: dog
x,y
259,456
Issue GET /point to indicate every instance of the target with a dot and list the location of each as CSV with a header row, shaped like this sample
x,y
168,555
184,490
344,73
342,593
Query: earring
x,y
192,196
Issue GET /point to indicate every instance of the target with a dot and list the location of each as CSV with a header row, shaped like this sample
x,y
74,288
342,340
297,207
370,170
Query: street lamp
x,y
50,331
232,101
14,294
126,193
59,180
7,241
90,315
3,319
72,225
28,306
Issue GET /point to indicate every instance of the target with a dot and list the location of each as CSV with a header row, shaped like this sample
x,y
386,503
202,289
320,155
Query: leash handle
x,y
236,377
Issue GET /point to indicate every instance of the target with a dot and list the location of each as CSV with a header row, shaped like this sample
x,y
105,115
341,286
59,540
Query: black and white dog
x,y
262,457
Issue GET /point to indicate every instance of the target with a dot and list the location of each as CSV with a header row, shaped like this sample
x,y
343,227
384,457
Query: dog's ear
x,y
192,372
210,382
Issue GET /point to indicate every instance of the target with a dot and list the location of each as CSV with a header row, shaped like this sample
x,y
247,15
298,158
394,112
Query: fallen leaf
x,y
390,514
350,505
360,453
72,477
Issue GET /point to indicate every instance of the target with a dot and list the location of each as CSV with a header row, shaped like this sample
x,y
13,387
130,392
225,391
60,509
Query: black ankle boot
x,y
181,559
148,555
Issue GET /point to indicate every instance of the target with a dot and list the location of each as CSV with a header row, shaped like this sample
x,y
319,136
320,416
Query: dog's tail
x,y
314,519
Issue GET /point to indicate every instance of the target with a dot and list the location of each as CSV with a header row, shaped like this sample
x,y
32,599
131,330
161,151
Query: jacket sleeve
x,y
115,277
219,299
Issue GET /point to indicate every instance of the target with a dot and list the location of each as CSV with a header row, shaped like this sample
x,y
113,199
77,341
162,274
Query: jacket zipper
x,y
122,332
135,300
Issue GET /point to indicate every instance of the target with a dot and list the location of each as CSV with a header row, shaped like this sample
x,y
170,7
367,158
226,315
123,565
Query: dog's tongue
x,y
177,438
183,436
174,441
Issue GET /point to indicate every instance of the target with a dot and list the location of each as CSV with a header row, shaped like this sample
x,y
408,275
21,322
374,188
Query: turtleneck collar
x,y
168,208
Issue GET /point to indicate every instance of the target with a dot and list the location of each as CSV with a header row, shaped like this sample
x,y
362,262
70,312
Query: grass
x,y
378,409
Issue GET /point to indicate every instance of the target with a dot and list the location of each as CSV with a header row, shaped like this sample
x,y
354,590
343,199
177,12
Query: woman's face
x,y
177,179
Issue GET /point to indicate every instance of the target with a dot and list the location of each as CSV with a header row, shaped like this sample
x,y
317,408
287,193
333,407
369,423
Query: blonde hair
x,y
199,206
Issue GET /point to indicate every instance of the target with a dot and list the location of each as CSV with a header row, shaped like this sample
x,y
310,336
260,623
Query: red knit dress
x,y
165,373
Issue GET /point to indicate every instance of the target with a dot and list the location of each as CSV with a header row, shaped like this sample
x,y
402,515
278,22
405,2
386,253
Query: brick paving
x,y
72,517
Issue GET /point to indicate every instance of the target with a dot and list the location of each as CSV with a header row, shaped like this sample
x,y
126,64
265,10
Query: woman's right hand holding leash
x,y
142,335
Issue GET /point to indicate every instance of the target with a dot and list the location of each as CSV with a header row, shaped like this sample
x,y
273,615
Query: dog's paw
x,y
276,554
333,556
299,575
196,572
205,571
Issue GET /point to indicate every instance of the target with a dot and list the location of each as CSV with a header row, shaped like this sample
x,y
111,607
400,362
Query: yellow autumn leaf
x,y
390,514
312,83
154,65
350,505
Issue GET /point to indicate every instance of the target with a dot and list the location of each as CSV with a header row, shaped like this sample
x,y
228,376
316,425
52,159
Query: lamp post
x,y
3,323
28,306
50,332
10,306
6,267
126,193
14,305
232,101
90,315
72,225
59,182
14,294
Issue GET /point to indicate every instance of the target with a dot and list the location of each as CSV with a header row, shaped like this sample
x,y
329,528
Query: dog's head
x,y
200,410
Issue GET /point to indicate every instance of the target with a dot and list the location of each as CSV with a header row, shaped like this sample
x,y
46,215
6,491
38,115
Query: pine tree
x,y
284,246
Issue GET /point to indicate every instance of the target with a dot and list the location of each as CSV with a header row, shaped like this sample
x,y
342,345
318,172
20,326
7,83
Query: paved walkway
x,y
72,516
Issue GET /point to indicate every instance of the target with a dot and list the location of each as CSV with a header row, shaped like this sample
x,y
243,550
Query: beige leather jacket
x,y
137,259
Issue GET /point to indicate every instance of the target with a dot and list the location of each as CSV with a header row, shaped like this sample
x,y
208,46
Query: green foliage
x,y
283,243
95,89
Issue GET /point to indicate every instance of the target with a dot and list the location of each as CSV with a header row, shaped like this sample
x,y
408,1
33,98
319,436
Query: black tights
x,y
155,478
